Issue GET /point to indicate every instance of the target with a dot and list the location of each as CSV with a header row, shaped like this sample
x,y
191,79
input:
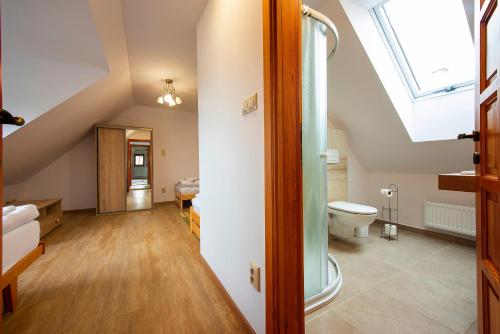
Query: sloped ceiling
x,y
358,102
161,39
35,145
51,51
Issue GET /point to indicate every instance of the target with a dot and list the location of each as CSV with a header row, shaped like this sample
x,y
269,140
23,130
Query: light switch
x,y
249,104
163,152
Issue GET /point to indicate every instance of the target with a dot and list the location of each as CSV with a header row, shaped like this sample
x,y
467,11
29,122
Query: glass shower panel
x,y
314,148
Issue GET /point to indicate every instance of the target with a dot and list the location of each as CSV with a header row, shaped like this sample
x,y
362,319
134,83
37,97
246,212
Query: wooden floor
x,y
138,272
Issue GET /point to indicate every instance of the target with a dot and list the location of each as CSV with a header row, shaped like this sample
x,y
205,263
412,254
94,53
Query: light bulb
x,y
168,98
172,103
178,100
160,100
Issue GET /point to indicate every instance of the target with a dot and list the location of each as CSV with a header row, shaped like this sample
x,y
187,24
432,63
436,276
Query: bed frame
x,y
180,198
9,279
194,222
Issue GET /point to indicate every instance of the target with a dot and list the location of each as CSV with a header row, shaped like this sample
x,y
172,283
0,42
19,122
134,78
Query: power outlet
x,y
163,190
255,276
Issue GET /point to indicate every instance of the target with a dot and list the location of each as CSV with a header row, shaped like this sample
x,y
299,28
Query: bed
x,y
186,190
21,246
194,216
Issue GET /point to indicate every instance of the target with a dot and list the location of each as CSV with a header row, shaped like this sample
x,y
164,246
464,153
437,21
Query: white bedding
x,y
195,203
18,243
186,190
21,215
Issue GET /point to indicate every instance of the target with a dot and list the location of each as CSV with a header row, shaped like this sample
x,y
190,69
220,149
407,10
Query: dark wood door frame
x,y
129,160
488,192
283,166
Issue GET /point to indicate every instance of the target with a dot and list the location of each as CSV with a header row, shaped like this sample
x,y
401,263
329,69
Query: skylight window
x,y
431,42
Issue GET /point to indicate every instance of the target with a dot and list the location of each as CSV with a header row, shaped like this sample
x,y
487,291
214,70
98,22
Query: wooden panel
x,y
492,130
457,182
112,190
494,311
283,167
492,232
492,35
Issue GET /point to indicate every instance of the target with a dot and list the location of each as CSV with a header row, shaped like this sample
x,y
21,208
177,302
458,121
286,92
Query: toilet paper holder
x,y
389,228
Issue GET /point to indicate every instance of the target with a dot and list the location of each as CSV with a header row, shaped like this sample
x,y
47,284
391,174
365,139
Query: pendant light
x,y
168,95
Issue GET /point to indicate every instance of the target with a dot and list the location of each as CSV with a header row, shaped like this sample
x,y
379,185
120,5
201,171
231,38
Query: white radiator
x,y
449,217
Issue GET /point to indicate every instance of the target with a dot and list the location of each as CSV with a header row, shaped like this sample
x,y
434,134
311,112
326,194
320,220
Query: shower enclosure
x,y
322,276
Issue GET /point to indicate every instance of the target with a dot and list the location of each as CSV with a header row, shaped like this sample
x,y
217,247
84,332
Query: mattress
x,y
187,190
195,203
17,243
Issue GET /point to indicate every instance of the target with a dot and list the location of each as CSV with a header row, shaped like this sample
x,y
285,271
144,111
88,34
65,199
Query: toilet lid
x,y
353,208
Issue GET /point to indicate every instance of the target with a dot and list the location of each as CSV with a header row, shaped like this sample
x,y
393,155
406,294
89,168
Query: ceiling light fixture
x,y
168,95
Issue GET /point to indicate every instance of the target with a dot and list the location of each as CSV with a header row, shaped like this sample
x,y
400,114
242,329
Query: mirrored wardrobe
x,y
124,168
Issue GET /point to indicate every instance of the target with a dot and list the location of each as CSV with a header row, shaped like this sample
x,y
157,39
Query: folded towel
x,y
8,209
21,215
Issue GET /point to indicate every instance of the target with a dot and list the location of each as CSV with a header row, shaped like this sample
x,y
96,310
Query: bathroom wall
x,y
364,186
337,173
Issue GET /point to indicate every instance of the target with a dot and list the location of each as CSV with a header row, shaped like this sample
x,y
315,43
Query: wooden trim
x,y
125,127
8,283
226,295
434,234
79,211
283,166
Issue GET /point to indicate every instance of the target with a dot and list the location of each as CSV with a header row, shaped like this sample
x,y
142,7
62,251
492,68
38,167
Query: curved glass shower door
x,y
314,148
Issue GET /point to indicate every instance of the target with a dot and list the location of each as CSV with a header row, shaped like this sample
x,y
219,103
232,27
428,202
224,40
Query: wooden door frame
x,y
283,166
487,89
129,159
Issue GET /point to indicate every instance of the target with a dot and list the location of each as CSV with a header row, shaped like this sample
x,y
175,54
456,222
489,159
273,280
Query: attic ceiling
x,y
359,103
50,53
161,41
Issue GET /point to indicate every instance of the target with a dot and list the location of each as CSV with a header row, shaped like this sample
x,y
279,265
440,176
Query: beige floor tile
x,y
416,285
375,312
330,322
433,299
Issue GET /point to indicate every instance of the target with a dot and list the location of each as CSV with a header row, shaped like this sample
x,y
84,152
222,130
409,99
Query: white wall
x,y
174,131
72,176
230,68
414,190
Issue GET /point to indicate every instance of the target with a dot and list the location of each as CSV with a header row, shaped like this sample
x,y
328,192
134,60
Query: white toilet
x,y
350,219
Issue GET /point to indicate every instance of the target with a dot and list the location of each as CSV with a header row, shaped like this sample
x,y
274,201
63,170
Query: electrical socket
x,y
255,276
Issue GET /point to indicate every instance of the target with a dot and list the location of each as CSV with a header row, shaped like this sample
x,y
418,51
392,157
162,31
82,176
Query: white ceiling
x,y
51,51
161,41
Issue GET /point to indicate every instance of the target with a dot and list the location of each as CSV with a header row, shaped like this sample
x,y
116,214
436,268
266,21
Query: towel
x,y
8,209
21,215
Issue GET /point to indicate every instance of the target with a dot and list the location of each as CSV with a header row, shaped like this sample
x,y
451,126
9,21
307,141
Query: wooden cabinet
x,y
51,213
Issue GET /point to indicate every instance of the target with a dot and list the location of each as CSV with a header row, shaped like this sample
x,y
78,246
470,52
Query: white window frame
x,y
397,53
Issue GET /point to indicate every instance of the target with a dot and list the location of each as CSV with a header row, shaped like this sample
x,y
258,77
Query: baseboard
x,y
156,204
435,234
80,211
226,295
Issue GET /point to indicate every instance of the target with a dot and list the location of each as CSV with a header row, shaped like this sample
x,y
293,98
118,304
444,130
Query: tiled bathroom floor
x,y
415,285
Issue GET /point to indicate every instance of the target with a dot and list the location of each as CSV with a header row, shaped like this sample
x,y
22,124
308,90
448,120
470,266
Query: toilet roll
x,y
386,192
391,230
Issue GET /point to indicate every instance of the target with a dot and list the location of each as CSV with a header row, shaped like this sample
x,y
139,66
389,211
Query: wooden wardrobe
x,y
111,148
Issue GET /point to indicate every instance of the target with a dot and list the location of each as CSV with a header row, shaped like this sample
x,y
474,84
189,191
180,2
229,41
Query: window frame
x,y
401,62
143,160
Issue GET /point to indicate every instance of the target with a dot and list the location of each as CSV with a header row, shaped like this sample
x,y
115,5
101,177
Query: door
x,y
111,179
488,150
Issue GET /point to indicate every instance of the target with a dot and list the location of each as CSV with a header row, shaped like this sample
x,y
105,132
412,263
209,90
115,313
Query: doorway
x,y
139,170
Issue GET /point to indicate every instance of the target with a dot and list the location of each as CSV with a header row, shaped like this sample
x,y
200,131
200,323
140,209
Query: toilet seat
x,y
353,208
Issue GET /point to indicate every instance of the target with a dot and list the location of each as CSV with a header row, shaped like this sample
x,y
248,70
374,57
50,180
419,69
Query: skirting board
x,y
226,295
435,234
